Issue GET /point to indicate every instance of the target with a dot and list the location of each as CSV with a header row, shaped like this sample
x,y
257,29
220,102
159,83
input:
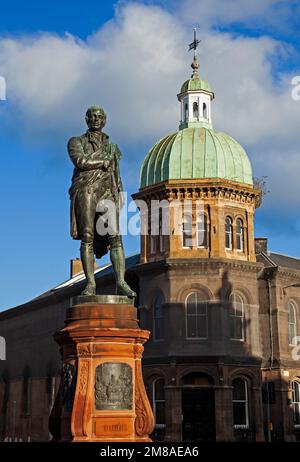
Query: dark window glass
x,y
159,318
292,323
159,401
239,235
239,414
240,403
196,316
187,232
236,317
296,401
161,236
153,244
202,231
186,112
239,390
195,110
228,233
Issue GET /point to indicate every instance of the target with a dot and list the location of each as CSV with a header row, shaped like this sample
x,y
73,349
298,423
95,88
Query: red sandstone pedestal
x,y
102,395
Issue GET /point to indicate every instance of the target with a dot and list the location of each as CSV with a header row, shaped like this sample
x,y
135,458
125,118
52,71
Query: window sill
x,y
196,338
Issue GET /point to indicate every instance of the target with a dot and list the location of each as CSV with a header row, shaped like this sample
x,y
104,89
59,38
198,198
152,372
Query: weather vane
x,y
195,43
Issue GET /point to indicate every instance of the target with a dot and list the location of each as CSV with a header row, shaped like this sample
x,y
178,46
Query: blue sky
x,y
131,57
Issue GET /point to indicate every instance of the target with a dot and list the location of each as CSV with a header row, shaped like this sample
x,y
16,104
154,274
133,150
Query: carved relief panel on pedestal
x,y
113,387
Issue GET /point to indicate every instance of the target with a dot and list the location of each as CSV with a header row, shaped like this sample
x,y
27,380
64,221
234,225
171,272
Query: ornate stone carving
x,y
141,416
221,189
144,421
83,378
113,386
84,350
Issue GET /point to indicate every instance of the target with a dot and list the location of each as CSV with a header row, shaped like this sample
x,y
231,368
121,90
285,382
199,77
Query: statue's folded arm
x,y
82,161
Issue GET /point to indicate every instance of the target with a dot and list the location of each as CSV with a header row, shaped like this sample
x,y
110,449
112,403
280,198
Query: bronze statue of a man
x,y
96,178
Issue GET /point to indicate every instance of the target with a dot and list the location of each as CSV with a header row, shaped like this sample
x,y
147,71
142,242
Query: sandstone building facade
x,y
222,363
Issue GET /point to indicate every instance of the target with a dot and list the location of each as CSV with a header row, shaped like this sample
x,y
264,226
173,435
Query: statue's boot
x,y
117,258
87,258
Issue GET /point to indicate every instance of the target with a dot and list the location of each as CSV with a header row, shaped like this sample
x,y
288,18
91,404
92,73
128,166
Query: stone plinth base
x,y
102,395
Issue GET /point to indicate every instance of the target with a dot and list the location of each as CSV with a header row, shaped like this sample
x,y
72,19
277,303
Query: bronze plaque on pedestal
x,y
113,387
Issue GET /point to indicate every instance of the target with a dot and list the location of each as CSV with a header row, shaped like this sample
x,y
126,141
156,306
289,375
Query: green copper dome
x,y
196,153
195,84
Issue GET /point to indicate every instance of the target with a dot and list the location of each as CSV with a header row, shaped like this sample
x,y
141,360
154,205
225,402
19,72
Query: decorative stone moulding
x,y
102,395
201,189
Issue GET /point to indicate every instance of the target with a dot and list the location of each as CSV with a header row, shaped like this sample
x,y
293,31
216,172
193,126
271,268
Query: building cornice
x,y
281,273
228,360
288,273
202,189
200,263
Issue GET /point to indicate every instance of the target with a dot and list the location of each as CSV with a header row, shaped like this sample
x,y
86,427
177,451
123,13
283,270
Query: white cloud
x,y
134,66
209,13
130,67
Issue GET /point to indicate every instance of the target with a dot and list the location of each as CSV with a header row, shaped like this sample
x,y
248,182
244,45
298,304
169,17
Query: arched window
x,y
236,313
239,235
158,395
186,112
196,316
159,318
292,323
228,233
195,110
202,230
187,231
296,402
240,404
204,111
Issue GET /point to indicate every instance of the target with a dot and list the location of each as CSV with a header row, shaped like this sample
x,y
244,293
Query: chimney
x,y
75,267
261,244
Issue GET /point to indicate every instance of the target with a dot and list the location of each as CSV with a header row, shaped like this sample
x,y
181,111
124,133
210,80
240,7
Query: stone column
x,y
286,412
217,231
223,411
102,395
257,407
250,236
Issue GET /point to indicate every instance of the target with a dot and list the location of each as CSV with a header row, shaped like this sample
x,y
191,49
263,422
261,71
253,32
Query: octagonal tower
x,y
198,276
212,171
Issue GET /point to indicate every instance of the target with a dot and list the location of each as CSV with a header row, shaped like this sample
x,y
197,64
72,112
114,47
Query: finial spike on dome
x,y
195,64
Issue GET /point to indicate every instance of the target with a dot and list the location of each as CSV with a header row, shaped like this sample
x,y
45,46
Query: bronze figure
x,y
96,178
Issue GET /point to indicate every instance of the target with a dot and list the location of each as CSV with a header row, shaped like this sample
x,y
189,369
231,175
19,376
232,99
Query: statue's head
x,y
95,118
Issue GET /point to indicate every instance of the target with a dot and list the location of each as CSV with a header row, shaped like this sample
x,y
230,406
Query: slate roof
x,y
277,259
100,272
66,288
